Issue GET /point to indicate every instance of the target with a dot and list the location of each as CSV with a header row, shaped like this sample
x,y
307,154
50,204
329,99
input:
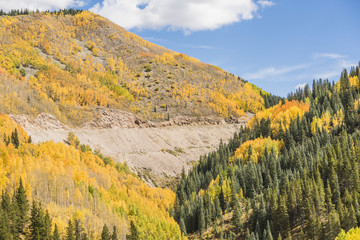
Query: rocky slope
x,y
160,149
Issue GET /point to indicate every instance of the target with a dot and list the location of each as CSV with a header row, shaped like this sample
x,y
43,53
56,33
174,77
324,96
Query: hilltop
x,y
81,73
75,65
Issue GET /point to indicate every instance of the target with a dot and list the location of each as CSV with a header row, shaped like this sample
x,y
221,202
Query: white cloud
x,y
338,65
300,85
328,55
185,15
327,75
271,71
7,5
265,3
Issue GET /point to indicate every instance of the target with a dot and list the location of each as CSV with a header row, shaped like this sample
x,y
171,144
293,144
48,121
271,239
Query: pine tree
x,y
237,217
77,229
201,218
217,207
22,208
70,231
47,227
283,217
182,226
268,232
15,138
8,214
105,234
56,235
222,200
332,227
5,232
134,233
37,222
114,234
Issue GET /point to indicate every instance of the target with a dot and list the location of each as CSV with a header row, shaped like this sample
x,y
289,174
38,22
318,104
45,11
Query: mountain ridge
x,y
73,64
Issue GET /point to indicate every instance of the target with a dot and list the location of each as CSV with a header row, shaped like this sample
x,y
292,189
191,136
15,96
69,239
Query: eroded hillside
x,y
155,151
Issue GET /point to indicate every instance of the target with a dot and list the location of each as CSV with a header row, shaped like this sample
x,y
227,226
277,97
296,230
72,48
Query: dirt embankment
x,y
160,148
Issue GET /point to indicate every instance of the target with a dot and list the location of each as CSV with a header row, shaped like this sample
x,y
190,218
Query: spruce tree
x,y
114,234
217,207
5,232
15,138
268,232
37,221
22,208
56,234
105,234
182,226
70,231
237,217
77,229
134,233
47,227
201,218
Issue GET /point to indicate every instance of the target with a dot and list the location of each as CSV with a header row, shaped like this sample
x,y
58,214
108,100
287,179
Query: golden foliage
x,y
352,234
70,182
253,150
281,115
326,121
354,82
71,63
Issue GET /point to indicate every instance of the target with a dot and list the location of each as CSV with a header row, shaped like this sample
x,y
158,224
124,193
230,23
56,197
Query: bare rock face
x,y
163,148
44,121
113,118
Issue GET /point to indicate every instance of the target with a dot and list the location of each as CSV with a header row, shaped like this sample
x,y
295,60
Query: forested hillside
x,y
70,184
71,63
292,173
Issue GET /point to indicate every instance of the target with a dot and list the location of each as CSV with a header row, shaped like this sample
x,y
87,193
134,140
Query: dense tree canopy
x,y
309,189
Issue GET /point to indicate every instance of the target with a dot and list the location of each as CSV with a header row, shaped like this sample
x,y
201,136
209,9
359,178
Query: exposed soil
x,y
160,149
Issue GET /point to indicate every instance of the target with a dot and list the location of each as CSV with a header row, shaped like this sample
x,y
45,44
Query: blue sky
x,y
277,45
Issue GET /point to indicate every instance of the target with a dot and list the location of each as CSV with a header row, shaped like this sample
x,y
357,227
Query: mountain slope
x,y
293,173
72,65
148,151
74,184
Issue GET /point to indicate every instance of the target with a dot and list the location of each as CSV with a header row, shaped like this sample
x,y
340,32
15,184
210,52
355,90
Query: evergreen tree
x,y
182,226
332,227
15,138
77,229
22,205
37,222
237,217
5,232
114,234
268,235
70,235
47,227
217,207
134,234
201,219
56,234
105,234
